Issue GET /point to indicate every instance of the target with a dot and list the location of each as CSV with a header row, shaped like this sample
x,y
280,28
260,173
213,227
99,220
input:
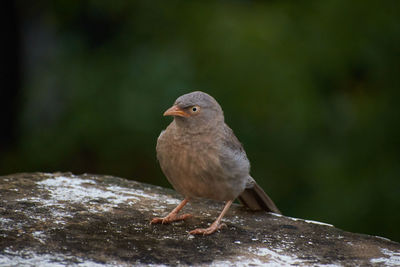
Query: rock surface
x,y
92,220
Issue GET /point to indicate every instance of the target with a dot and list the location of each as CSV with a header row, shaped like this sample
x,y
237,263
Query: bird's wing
x,y
232,155
231,141
234,160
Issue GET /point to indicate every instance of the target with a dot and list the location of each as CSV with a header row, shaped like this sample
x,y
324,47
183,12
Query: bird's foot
x,y
207,231
172,217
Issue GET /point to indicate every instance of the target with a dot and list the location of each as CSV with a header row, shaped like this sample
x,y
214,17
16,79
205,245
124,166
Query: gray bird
x,y
202,158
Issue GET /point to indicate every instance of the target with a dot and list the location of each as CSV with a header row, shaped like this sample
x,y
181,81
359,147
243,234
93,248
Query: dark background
x,y
311,88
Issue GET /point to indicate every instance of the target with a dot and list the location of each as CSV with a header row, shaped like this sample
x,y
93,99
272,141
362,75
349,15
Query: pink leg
x,y
173,215
215,225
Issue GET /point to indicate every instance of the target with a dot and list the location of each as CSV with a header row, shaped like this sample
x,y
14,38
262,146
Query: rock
x,y
65,219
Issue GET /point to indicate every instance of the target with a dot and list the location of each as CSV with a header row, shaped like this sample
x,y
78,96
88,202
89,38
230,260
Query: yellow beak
x,y
175,111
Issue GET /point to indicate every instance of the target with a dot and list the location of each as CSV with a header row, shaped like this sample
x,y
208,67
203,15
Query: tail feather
x,y
255,198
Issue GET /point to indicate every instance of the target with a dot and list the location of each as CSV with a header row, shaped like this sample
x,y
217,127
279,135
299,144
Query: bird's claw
x,y
207,231
170,218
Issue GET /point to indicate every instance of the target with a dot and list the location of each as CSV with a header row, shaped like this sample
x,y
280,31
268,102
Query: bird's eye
x,y
194,109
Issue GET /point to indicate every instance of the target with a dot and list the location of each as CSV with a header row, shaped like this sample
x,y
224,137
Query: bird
x,y
202,159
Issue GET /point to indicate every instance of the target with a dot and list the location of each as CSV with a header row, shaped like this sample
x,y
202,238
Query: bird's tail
x,y
255,198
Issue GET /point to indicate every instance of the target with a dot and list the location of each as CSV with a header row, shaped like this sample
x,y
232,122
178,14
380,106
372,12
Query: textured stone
x,y
88,220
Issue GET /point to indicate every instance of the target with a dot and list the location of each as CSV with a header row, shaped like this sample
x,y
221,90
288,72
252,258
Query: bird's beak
x,y
175,111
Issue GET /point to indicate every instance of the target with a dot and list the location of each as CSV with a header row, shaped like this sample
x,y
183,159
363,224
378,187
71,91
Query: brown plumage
x,y
202,158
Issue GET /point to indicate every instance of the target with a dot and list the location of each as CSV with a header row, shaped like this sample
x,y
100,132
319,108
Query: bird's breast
x,y
192,165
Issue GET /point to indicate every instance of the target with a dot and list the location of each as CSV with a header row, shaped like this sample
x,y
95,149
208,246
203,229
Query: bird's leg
x,y
215,225
173,215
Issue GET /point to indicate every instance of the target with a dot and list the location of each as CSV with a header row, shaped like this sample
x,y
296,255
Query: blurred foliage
x,y
310,88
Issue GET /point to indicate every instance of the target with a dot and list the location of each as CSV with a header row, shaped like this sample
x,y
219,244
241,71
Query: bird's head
x,y
196,109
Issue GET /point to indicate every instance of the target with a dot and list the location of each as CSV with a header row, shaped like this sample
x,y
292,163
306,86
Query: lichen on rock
x,y
96,220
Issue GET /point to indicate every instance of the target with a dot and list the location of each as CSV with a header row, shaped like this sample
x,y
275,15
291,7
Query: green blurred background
x,y
311,88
